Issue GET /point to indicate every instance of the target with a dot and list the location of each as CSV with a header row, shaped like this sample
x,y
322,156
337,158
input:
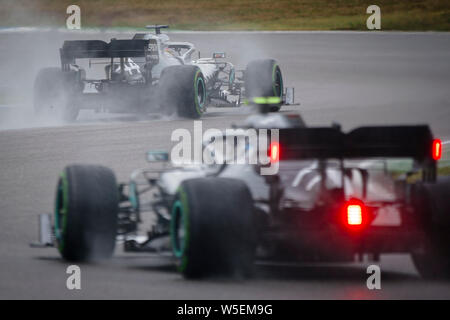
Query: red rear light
x,y
355,214
274,152
437,149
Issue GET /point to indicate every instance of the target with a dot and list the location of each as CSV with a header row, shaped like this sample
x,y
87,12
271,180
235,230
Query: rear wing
x,y
77,49
414,142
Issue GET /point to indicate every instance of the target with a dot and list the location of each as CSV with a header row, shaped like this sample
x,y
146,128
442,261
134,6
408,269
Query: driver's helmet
x,y
170,51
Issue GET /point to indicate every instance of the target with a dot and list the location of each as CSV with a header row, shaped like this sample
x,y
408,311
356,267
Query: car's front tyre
x,y
85,214
263,79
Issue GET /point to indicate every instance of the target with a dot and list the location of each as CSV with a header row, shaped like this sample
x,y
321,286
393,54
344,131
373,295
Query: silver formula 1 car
x,y
335,197
150,73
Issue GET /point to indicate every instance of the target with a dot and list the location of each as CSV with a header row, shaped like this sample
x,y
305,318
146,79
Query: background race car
x,y
151,73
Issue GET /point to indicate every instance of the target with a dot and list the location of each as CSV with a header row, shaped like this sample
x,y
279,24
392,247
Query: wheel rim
x,y
277,82
200,90
61,208
178,230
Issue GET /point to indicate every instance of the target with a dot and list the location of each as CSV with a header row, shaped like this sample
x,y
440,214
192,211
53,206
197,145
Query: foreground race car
x,y
336,197
150,73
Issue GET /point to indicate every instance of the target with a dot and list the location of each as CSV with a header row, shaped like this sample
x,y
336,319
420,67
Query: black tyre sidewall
x,y
91,219
221,229
259,80
178,91
431,201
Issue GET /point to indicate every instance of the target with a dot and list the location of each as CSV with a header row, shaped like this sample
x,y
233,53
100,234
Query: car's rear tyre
x,y
263,78
55,94
432,200
182,90
212,229
86,209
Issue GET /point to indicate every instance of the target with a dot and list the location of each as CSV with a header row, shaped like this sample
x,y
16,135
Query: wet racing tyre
x,y
54,94
433,201
263,78
86,209
182,90
212,229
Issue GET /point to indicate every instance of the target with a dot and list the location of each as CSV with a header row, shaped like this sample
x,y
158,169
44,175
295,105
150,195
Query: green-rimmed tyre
x,y
182,89
212,228
86,209
263,79
432,260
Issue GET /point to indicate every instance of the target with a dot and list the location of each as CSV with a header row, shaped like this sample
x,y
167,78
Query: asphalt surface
x,y
350,78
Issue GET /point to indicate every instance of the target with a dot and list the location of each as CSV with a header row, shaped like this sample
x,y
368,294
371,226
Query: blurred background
x,y
231,14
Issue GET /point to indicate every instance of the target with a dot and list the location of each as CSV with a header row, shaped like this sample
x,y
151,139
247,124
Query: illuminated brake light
x,y
437,149
274,152
354,215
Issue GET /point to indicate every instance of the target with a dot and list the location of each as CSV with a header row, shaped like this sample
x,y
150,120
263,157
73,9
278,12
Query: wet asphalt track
x,y
350,78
